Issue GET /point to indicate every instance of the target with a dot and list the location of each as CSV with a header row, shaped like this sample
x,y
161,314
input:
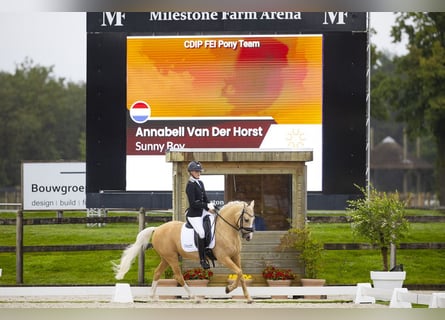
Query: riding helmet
x,y
194,166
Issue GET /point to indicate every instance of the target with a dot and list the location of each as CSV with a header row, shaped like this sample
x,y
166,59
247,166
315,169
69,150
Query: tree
x,y
417,88
43,119
380,218
383,116
381,66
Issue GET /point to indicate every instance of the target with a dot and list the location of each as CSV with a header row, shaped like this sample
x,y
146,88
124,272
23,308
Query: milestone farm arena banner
x,y
262,91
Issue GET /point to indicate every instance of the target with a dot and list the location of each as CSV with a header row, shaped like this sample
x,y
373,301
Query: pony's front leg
x,y
240,278
245,291
233,285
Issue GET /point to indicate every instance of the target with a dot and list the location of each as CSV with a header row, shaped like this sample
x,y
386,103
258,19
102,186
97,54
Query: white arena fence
x,y
362,293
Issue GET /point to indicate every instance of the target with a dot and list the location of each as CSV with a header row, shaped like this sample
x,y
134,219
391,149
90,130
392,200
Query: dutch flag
x,y
140,112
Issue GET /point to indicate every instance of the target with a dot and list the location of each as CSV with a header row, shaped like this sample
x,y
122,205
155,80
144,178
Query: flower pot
x,y
197,283
167,283
279,283
388,279
313,283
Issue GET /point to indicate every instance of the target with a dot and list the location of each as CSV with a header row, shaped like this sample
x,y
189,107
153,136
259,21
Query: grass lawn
x,y
341,233
409,212
352,266
81,268
341,267
349,267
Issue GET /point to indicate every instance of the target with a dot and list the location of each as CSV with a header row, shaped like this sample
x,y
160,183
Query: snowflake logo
x,y
295,138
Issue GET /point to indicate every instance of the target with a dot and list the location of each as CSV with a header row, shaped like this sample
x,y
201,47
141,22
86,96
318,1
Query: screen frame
x,y
345,65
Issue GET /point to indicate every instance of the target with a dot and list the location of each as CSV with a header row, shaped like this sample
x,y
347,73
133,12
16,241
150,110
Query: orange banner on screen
x,y
229,76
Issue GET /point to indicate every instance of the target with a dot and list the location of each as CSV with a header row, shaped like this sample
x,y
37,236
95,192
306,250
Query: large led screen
x,y
258,91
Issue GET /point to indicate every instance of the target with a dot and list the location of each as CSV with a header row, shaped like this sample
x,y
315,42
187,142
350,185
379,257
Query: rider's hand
x,y
211,206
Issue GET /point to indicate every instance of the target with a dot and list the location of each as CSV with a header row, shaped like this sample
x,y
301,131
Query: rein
x,y
240,220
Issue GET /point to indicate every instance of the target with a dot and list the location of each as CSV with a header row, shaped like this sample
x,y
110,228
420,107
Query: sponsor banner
x,y
156,136
53,186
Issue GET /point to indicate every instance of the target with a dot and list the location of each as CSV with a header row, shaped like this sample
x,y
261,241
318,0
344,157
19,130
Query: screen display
x,y
256,91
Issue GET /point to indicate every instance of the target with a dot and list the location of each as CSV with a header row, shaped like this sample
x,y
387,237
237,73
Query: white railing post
x,y
396,302
360,297
437,300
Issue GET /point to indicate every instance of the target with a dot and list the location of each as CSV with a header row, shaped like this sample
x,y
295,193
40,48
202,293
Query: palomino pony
x,y
233,219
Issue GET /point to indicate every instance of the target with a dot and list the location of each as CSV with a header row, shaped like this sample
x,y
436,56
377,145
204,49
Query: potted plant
x,y
197,276
278,277
310,253
380,218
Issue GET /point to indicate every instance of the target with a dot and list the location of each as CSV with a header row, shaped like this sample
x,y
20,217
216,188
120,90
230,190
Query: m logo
x,y
335,17
113,19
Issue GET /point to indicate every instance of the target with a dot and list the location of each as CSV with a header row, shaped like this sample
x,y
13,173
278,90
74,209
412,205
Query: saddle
x,y
207,224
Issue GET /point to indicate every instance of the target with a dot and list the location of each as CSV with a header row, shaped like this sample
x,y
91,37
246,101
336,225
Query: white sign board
x,y
53,186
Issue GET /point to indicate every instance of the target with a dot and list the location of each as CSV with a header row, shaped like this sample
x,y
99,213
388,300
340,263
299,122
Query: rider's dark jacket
x,y
197,198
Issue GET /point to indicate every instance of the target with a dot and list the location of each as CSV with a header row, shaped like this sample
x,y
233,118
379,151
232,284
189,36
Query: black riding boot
x,y
202,258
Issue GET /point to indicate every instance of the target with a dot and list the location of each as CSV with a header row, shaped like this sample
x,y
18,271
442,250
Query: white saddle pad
x,y
188,237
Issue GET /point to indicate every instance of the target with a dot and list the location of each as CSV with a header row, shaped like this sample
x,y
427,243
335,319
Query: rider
x,y
199,205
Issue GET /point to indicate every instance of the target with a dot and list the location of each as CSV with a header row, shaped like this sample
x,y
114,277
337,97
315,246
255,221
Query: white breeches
x,y
196,223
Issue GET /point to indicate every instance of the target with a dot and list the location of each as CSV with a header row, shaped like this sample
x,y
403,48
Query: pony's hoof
x,y
249,301
198,299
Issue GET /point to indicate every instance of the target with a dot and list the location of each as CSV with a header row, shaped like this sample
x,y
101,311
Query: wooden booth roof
x,y
239,155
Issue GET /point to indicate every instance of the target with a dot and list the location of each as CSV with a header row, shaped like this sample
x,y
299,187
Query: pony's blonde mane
x,y
231,204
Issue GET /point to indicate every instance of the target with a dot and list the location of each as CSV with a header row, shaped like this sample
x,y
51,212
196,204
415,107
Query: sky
x,y
33,35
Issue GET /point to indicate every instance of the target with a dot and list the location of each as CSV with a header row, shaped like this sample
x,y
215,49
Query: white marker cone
x,y
122,293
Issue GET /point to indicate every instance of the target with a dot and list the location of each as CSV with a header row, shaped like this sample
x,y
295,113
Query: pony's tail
x,y
130,253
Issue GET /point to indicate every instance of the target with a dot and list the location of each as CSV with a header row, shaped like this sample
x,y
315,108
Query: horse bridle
x,y
244,230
